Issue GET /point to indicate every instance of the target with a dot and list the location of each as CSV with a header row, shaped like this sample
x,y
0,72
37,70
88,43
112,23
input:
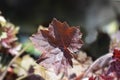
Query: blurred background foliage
x,y
97,19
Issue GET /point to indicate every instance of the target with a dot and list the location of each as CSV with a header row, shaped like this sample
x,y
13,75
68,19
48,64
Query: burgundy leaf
x,y
58,43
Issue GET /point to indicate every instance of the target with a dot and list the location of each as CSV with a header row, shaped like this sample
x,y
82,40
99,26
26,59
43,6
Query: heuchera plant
x,y
58,44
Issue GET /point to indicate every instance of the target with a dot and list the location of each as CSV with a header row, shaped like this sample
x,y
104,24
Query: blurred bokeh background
x,y
97,18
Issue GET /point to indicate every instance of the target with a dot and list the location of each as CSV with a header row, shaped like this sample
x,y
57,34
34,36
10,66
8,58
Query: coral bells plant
x,y
60,57
58,44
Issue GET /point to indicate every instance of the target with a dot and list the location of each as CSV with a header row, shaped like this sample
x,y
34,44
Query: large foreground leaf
x,y
57,43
